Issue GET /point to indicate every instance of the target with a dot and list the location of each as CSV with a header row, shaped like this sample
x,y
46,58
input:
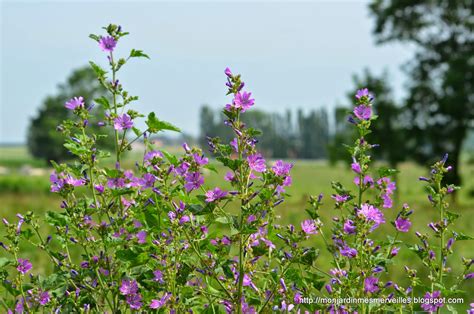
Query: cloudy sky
x,y
289,54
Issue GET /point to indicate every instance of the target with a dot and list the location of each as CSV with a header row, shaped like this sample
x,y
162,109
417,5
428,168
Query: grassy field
x,y
20,193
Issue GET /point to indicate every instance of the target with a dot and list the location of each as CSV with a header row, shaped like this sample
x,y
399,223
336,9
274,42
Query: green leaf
x,y
138,54
4,262
461,236
97,69
56,219
103,101
386,172
155,125
211,167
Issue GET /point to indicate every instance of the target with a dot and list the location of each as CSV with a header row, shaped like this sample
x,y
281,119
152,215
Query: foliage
x,y
153,238
44,139
440,91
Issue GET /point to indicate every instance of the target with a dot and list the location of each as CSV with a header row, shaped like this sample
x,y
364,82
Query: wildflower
x,y
24,266
107,43
355,166
371,213
228,72
156,304
200,159
215,194
348,251
243,101
44,298
340,198
309,227
151,156
235,145
123,122
363,112
469,276
256,162
364,92
402,225
184,220
74,103
158,276
432,301
128,287
370,285
229,176
349,227
194,181
394,251
141,237
134,300
281,168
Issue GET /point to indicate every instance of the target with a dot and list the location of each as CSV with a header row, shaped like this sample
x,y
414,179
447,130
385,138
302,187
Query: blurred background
x,y
302,62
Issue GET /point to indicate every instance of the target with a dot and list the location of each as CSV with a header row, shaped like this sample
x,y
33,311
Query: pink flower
x,y
402,225
243,101
309,227
281,168
107,43
372,214
74,103
256,162
24,266
363,112
123,122
213,195
370,285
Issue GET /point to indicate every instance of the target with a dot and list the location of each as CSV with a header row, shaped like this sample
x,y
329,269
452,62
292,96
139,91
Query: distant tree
x,y
343,134
440,98
313,134
46,143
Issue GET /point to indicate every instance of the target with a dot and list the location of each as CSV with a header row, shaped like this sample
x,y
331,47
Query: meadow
x,y
24,186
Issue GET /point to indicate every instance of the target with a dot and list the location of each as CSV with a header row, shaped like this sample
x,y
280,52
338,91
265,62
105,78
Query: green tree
x,y
44,141
440,98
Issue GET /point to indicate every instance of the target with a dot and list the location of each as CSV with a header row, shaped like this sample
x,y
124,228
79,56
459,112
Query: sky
x,y
290,54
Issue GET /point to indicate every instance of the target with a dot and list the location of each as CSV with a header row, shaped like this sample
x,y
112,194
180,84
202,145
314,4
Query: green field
x,y
20,193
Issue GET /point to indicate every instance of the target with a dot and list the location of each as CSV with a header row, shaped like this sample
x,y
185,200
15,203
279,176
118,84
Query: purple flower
x,y
432,301
228,72
141,237
156,304
281,168
235,145
402,225
309,227
371,213
123,122
107,43
469,276
363,112
24,266
74,103
184,220
194,180
355,166
243,101
370,284
200,159
128,287
348,251
135,301
215,194
349,227
340,198
44,298
394,251
256,162
158,276
364,92
151,156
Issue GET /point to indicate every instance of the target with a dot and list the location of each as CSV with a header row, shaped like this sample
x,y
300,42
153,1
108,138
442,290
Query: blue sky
x,y
289,54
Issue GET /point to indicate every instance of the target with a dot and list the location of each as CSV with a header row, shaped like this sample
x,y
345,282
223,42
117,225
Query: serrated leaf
x,y
155,125
97,69
138,54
